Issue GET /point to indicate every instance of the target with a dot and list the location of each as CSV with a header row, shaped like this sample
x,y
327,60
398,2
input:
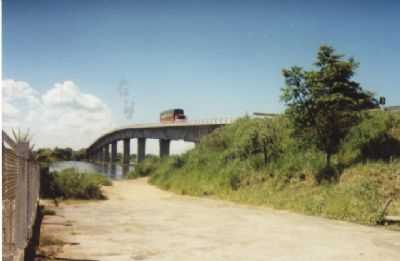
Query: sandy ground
x,y
141,222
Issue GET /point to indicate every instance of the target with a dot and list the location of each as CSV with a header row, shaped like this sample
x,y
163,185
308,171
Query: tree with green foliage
x,y
45,156
63,153
270,138
324,104
78,155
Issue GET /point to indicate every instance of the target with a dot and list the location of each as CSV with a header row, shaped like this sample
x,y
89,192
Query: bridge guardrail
x,y
225,120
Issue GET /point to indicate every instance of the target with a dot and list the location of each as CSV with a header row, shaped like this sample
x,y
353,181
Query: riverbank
x,y
139,221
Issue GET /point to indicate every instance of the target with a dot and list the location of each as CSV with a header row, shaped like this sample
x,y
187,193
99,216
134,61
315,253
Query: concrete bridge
x,y
191,131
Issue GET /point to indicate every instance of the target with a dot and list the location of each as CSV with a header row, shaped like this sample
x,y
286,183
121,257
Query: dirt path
x,y
141,222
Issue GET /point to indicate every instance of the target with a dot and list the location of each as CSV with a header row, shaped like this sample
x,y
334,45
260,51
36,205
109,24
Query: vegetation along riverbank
x,y
72,184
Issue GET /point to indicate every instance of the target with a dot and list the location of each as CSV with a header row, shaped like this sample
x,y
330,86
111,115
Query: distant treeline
x,y
66,154
59,154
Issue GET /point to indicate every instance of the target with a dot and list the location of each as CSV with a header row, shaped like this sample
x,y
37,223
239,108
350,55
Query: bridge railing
x,y
222,120
392,108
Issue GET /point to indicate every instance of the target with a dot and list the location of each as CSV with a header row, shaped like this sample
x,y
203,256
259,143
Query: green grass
x,y
71,184
232,164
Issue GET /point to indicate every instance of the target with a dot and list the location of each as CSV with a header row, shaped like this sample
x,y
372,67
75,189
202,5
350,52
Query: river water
x,y
114,171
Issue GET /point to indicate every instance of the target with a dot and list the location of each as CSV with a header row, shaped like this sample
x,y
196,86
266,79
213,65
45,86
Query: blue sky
x,y
212,58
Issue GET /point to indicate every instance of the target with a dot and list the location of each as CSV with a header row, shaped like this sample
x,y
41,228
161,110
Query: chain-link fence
x,y
21,183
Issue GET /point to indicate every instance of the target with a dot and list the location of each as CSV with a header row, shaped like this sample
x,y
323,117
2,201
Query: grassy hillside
x,y
258,161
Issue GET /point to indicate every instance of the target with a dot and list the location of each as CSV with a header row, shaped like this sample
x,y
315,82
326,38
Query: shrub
x,y
71,184
144,168
375,138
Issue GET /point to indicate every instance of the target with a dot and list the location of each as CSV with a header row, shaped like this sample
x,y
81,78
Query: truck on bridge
x,y
173,115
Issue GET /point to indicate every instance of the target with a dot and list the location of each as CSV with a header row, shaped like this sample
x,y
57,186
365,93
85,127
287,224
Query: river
x,y
114,171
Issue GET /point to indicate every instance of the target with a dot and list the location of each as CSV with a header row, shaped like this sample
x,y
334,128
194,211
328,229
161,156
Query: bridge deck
x,y
168,125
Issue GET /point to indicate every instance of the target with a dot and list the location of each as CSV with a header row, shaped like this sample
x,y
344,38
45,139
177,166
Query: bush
x,y
377,137
144,168
71,184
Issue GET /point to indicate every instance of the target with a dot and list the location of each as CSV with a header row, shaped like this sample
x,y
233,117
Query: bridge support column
x,y
103,154
113,151
127,148
141,149
106,153
164,147
99,155
88,155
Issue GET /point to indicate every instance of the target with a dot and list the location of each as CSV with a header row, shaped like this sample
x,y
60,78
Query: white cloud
x,y
17,89
68,94
11,112
63,116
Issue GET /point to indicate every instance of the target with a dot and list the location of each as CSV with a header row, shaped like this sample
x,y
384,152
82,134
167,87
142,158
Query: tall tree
x,y
324,104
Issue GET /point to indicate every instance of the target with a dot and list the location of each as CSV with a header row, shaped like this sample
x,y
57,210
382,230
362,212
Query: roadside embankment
x,y
260,162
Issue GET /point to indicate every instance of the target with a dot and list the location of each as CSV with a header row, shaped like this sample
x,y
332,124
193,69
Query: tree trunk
x,y
328,160
265,155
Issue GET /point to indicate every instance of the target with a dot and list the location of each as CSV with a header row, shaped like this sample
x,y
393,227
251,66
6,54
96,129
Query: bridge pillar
x,y
113,151
127,147
141,149
164,147
88,155
106,153
103,154
97,155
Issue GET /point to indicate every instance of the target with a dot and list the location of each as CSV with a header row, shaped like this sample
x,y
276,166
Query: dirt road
x,y
141,222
